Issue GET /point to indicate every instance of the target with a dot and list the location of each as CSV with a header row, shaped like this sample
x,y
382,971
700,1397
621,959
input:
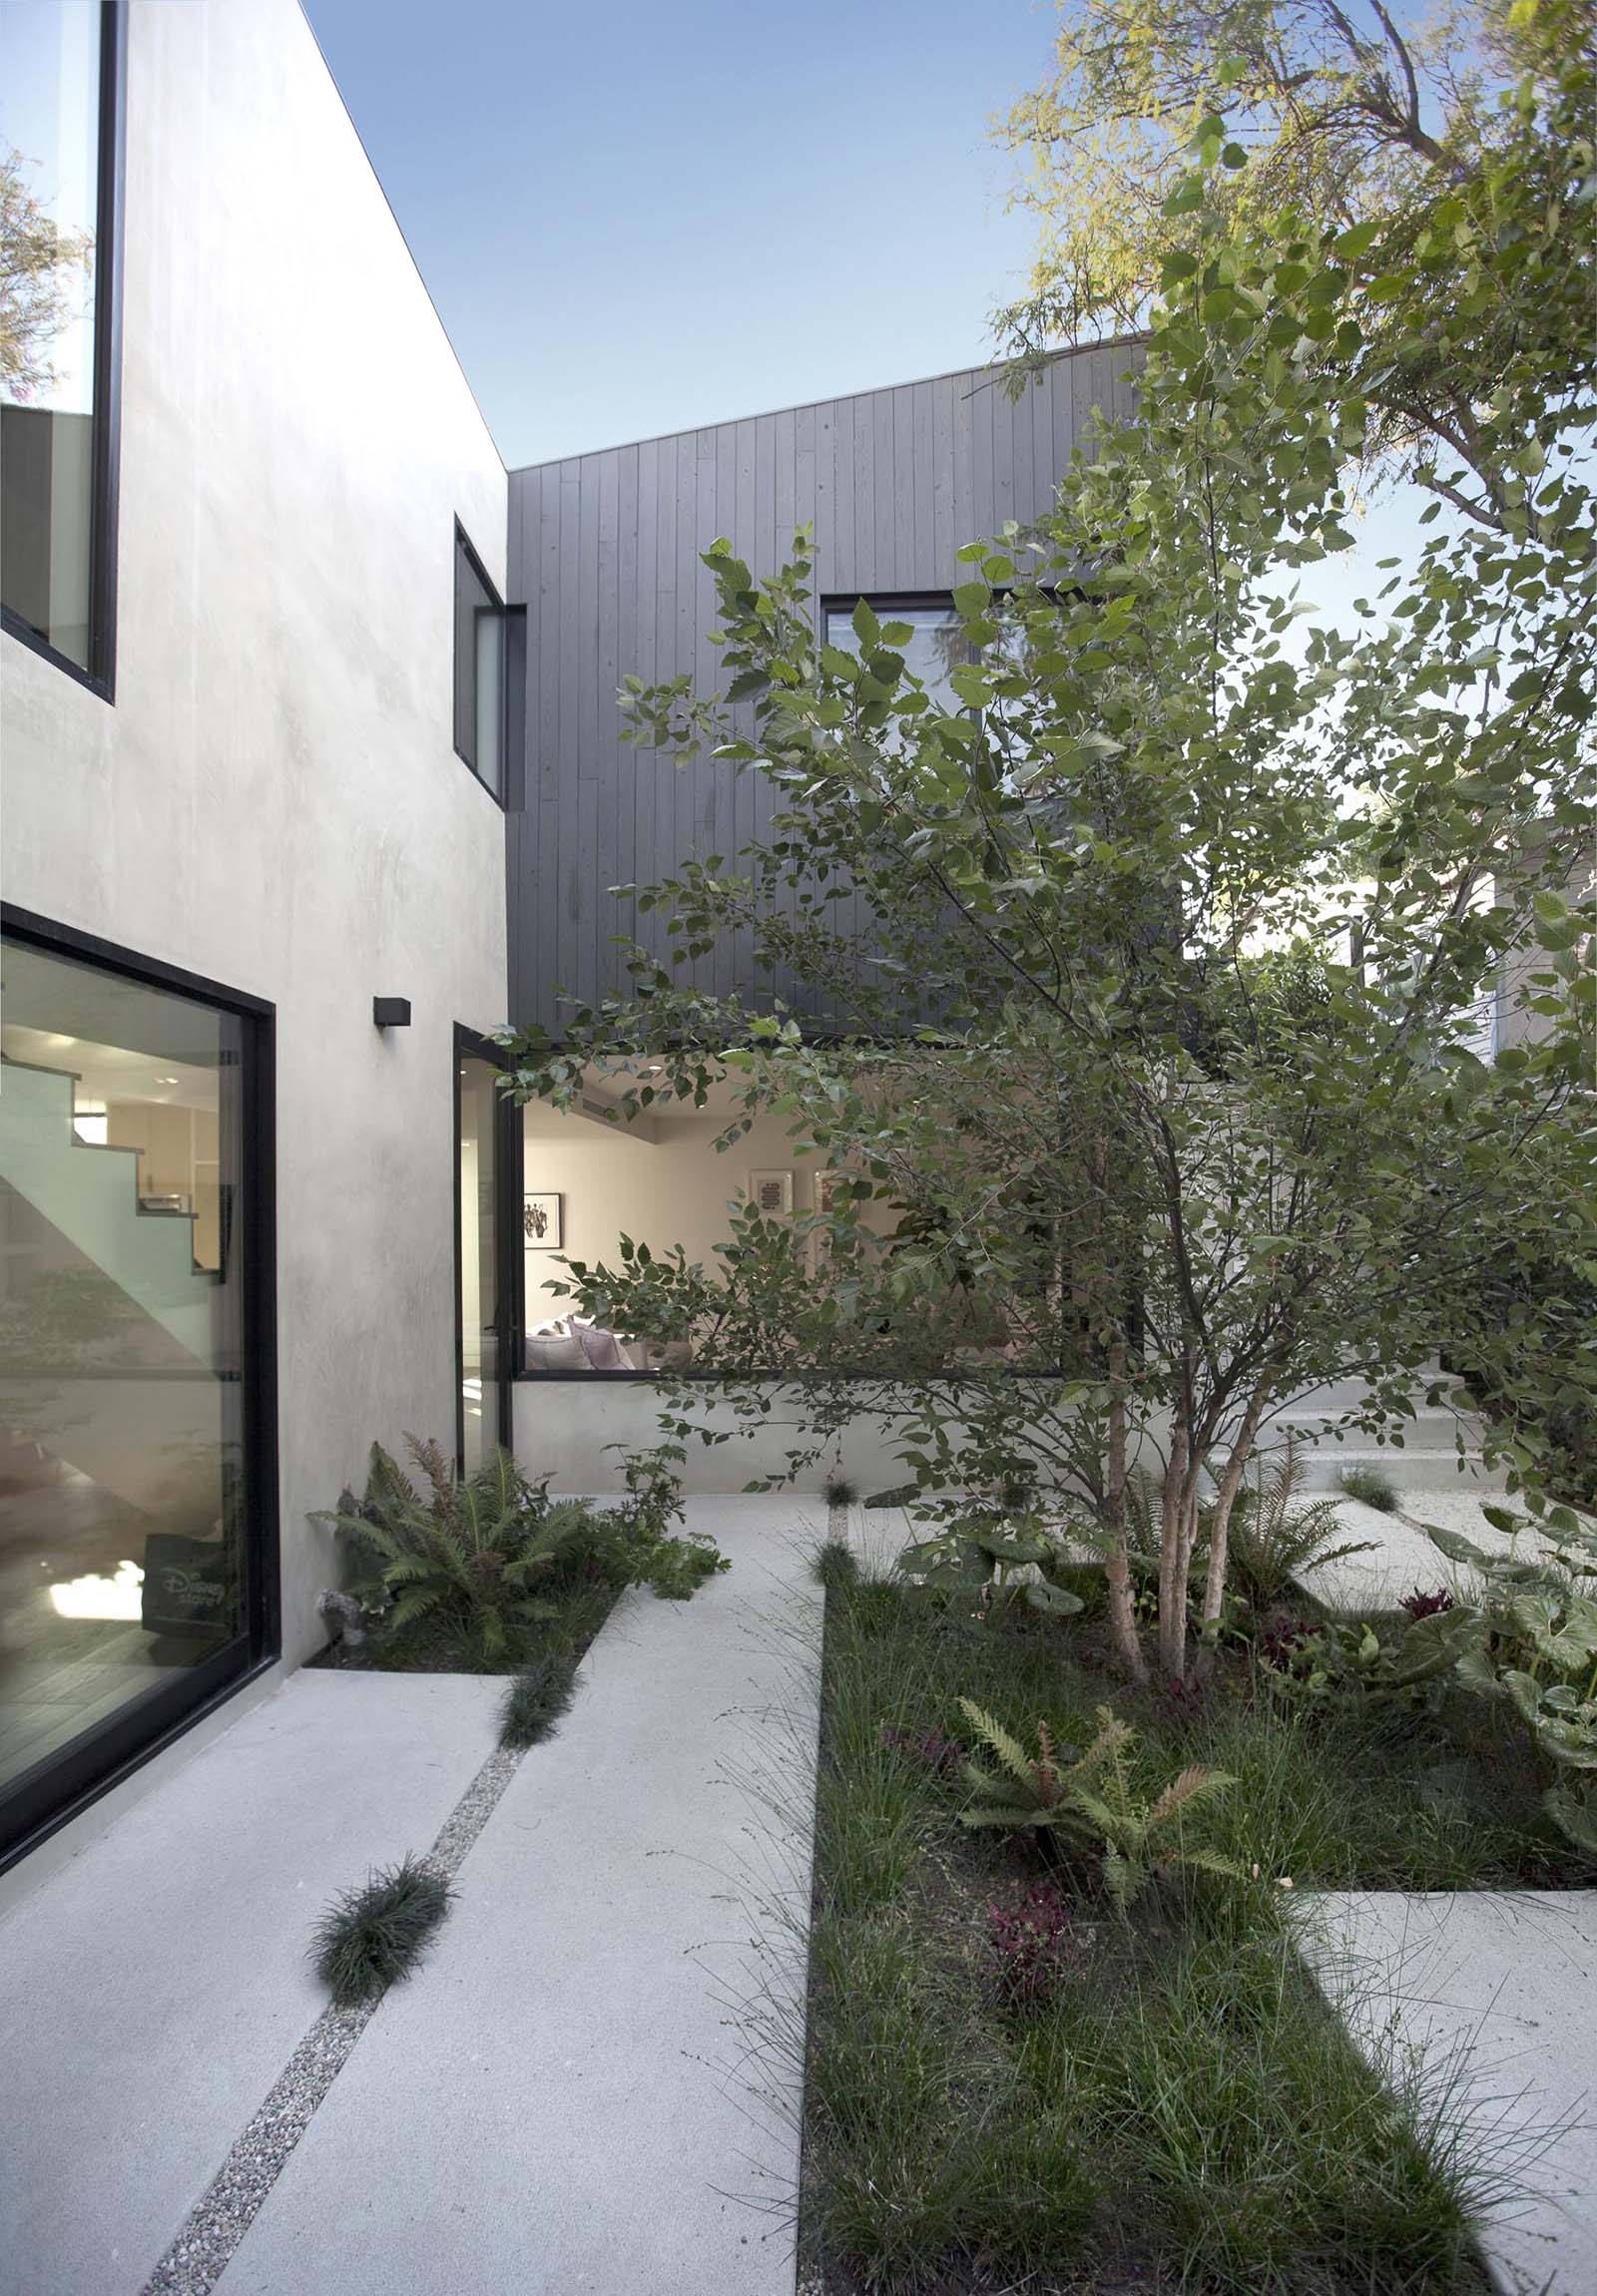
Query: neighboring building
x,y
296,679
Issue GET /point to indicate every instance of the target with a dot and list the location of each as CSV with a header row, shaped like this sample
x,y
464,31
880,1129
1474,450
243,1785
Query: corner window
x,y
479,670
59,109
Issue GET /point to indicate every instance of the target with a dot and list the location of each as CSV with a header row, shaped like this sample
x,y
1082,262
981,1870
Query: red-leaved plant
x,y
1034,1948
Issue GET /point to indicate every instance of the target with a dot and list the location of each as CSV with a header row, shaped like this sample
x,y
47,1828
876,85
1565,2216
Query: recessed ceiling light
x,y
166,1080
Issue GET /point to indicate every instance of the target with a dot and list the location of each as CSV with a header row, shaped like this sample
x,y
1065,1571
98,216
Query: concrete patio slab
x,y
1402,1557
153,1987
573,2096
1497,1991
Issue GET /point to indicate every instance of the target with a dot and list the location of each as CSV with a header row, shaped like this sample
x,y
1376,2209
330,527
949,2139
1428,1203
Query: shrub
x,y
536,1699
1091,1803
649,1554
1419,1604
836,1566
993,1561
469,1555
1348,1662
475,1560
1530,1640
837,1490
372,1936
1370,1488
1275,1535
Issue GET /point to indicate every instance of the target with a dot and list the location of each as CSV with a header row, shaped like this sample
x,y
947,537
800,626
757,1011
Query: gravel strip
x,y
200,2253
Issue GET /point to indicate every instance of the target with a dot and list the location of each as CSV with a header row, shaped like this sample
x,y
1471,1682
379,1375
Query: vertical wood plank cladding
x,y
604,552
922,474
635,764
846,417
877,537
625,651
1020,419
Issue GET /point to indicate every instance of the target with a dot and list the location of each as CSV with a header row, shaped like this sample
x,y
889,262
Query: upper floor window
x,y
59,113
479,670
937,647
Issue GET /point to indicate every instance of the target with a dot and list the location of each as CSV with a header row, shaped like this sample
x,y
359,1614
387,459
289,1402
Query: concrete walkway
x,y
576,2092
150,1991
1399,1556
1495,1993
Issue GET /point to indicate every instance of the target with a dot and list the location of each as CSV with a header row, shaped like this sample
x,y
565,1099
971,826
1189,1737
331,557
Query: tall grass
x,y
1186,2109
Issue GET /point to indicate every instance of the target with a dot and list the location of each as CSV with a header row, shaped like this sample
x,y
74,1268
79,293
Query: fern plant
x,y
1089,1802
467,1556
1275,1535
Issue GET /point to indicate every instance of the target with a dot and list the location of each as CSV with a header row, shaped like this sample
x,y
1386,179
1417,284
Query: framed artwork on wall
x,y
771,1192
540,1223
828,1195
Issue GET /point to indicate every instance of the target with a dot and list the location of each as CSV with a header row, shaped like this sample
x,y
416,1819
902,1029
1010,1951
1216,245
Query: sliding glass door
x,y
137,1494
485,1179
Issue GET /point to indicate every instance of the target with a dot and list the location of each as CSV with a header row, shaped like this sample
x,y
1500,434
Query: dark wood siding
x,y
604,552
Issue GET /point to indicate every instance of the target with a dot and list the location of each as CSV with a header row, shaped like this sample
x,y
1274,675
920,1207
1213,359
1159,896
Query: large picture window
x,y
59,165
137,1492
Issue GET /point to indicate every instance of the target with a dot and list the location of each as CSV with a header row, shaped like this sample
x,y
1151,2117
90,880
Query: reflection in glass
x,y
49,190
479,672
120,1515
936,648
479,1282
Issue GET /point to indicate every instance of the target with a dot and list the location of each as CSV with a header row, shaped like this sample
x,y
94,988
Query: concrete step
x,y
1417,1466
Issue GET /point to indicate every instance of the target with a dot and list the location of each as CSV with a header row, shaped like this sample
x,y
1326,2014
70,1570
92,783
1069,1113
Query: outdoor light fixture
x,y
391,1012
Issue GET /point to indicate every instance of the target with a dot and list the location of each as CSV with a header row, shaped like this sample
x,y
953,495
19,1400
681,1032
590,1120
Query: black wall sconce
x,y
391,1012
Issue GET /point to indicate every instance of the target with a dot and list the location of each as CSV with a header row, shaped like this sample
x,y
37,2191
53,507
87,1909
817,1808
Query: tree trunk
x,y
1172,1579
1122,1618
1219,1523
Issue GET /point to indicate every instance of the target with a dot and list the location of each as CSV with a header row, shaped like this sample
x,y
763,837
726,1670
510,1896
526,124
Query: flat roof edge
x,y
993,372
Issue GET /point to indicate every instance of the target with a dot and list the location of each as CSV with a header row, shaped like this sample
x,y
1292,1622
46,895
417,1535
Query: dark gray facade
x,y
604,554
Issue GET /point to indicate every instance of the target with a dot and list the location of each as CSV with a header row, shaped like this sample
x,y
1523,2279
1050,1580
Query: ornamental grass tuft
x,y
537,1700
372,1937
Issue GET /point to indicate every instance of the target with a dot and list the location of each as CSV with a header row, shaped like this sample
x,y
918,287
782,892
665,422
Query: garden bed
x,y
1009,2083
488,1575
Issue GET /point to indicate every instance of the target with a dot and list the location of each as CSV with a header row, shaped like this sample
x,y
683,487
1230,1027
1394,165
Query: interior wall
x,y
675,1189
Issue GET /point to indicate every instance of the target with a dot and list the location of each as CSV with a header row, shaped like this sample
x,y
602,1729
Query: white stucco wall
x,y
566,1429
274,800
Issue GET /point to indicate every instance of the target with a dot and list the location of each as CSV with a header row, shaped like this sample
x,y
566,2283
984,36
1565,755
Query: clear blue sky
x,y
655,213
642,215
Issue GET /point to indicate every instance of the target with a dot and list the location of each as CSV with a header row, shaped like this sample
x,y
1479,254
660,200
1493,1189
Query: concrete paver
x,y
1498,1992
566,2098
152,1989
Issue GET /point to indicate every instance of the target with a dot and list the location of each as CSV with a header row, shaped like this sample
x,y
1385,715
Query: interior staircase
x,y
109,1328
91,1194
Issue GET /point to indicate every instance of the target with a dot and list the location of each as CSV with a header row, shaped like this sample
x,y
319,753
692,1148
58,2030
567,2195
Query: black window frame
x,y
465,548
63,1785
100,676
509,1146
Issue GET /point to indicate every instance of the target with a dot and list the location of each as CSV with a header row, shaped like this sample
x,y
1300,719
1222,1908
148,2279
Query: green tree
x,y
1160,1051
1344,111
37,290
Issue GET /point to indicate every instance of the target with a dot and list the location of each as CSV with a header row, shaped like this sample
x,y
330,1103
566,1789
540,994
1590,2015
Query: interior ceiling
x,y
111,1071
605,1085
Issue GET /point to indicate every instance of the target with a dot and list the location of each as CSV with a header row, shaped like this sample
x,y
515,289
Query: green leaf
x,y
1456,1546
1055,1602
